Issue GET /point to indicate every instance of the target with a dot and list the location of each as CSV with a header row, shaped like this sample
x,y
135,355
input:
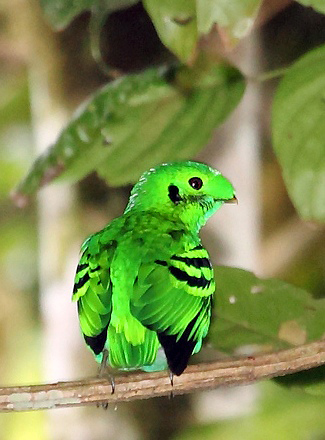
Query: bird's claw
x,y
103,374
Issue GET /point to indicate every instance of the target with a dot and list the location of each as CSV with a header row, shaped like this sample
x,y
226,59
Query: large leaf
x,y
175,23
61,12
299,133
180,23
236,17
139,121
318,5
268,314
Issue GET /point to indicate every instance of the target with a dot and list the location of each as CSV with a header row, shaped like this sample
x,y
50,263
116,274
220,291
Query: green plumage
x,y
145,280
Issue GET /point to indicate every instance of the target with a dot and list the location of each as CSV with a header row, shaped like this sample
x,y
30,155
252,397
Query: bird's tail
x,y
124,355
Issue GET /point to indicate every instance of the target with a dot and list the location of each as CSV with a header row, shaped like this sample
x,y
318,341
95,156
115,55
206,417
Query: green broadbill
x,y
145,281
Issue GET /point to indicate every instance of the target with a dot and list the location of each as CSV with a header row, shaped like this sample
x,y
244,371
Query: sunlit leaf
x,y
299,133
236,17
139,121
269,314
175,23
180,23
61,12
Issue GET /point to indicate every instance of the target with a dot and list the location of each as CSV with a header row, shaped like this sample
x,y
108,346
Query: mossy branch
x,y
144,385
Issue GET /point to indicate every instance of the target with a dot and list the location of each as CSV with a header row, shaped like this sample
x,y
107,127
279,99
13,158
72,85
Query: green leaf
x,y
15,101
266,314
175,23
61,12
311,381
276,414
137,122
318,5
316,389
299,133
235,16
180,23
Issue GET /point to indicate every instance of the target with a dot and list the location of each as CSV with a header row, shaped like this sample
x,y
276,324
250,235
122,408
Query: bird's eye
x,y
195,182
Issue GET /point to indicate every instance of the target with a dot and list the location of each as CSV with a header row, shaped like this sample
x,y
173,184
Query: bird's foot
x,y
102,373
103,364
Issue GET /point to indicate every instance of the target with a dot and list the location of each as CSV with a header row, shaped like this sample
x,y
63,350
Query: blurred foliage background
x,y
45,74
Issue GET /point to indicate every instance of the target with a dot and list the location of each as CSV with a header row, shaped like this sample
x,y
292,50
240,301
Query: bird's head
x,y
187,191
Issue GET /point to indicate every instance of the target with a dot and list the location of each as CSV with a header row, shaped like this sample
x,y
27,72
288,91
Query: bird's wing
x,y
93,290
174,298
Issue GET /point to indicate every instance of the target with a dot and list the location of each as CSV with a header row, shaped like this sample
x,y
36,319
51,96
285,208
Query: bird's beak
x,y
232,201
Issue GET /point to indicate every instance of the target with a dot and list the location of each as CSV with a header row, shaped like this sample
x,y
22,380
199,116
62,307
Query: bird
x,y
144,285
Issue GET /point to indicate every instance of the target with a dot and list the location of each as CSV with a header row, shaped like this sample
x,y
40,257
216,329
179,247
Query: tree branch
x,y
145,385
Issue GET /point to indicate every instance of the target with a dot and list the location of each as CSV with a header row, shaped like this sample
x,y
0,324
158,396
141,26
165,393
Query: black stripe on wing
x,y
192,281
161,262
82,267
81,282
97,343
197,262
179,350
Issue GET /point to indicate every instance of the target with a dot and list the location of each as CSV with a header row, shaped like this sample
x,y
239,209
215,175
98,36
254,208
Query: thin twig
x,y
145,385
